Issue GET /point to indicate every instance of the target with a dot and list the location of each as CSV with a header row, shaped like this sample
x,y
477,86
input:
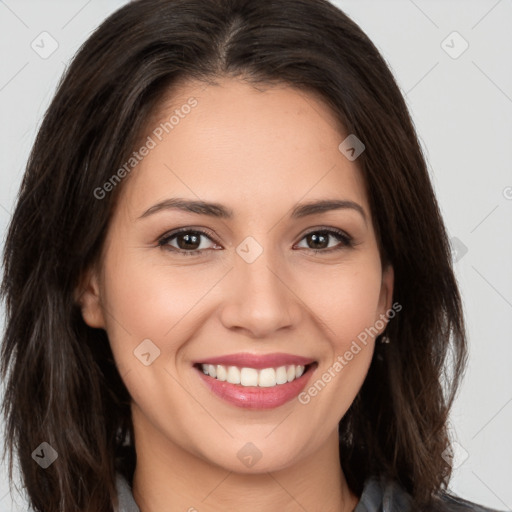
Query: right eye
x,y
188,241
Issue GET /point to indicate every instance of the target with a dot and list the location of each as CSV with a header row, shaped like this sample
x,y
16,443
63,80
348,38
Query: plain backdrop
x,y
453,63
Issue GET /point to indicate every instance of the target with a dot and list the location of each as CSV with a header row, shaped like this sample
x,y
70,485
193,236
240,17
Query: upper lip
x,y
257,361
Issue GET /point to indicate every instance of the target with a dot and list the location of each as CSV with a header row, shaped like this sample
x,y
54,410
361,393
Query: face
x,y
270,296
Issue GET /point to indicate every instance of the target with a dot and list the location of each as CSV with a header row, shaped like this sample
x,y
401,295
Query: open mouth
x,y
252,377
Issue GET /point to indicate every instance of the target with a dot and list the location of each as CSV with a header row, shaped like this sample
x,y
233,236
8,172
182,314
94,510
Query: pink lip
x,y
257,361
254,397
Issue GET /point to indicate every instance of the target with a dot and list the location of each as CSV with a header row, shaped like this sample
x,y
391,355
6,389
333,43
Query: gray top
x,y
378,496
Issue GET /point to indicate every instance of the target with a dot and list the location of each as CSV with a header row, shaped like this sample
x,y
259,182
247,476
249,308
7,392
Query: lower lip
x,y
254,397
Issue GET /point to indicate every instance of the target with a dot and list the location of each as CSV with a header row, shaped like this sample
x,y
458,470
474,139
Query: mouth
x,y
257,386
253,377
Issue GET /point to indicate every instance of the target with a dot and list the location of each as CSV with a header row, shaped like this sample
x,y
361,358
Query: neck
x,y
169,478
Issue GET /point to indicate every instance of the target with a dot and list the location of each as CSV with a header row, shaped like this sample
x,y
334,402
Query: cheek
x,y
347,306
345,298
162,302
147,300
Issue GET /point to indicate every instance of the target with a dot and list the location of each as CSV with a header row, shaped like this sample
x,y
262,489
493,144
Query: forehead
x,y
242,146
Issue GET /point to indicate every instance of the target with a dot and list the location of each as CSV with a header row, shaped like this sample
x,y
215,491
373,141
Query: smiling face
x,y
254,285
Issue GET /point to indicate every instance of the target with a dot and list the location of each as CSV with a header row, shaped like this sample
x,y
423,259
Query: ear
x,y
386,291
88,296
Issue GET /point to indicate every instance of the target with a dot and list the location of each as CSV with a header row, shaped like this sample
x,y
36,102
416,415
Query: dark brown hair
x,y
63,386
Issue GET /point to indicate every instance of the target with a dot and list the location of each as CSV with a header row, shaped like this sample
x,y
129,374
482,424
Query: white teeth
x,y
281,376
265,378
233,375
221,372
249,377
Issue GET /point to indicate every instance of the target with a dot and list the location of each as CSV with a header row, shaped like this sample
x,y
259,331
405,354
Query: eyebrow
x,y
222,212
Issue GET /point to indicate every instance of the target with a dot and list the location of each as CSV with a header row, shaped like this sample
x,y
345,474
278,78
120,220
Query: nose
x,y
258,298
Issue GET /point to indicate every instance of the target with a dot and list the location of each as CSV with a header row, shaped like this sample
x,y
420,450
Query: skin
x,y
259,152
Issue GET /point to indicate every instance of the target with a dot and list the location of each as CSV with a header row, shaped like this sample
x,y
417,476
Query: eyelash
x,y
347,241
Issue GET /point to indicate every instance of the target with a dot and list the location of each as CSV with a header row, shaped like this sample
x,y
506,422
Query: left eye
x,y
189,241
320,237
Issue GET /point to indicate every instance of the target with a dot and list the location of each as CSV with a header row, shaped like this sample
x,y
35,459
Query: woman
x,y
227,280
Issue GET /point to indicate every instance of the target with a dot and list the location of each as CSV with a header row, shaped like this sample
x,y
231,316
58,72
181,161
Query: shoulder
x,y
381,494
457,504
124,495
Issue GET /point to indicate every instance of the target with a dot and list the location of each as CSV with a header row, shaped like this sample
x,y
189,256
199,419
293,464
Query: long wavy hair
x,y
61,382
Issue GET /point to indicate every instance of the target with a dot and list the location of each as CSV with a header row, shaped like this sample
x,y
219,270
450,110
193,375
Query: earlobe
x,y
386,291
87,296
388,279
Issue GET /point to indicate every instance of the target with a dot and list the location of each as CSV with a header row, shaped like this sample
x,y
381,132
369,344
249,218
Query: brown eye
x,y
188,241
318,241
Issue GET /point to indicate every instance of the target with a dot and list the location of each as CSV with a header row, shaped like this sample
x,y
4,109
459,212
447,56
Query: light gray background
x,y
462,108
